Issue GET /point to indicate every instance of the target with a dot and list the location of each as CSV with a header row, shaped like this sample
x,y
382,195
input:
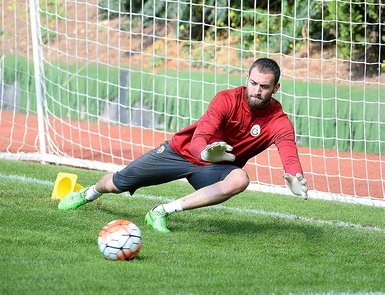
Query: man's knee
x,y
236,182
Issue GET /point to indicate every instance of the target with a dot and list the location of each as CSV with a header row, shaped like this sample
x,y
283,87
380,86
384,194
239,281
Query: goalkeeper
x,y
239,124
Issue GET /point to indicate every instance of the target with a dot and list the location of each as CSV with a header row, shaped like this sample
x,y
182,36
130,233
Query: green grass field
x,y
254,243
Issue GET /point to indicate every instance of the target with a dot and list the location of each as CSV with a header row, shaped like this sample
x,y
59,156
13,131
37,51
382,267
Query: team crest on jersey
x,y
255,130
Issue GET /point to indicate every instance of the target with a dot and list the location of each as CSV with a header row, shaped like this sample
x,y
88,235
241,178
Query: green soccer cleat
x,y
73,200
158,220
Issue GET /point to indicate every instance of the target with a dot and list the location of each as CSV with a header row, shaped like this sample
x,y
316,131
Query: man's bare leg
x,y
234,183
105,185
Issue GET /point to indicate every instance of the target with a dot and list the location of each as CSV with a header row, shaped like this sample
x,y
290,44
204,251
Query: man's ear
x,y
276,87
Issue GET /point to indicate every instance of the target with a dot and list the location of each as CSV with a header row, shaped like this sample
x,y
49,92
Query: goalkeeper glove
x,y
217,152
297,184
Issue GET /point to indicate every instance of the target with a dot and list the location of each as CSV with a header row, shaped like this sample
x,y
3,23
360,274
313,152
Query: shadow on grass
x,y
214,222
234,226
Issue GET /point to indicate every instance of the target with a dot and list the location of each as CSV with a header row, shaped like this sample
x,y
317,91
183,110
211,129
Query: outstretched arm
x,y
208,132
290,160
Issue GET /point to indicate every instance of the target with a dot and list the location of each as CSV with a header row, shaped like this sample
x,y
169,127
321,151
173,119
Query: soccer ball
x,y
120,240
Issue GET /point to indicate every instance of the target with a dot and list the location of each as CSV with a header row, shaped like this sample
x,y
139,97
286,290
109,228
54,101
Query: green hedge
x,y
269,26
343,117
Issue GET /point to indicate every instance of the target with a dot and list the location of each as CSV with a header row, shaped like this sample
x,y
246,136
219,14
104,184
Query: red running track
x,y
352,174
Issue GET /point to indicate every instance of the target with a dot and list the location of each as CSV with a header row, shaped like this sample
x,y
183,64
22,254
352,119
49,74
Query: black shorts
x,y
162,165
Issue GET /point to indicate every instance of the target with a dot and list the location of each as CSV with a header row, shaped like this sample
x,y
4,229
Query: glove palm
x,y
297,184
217,152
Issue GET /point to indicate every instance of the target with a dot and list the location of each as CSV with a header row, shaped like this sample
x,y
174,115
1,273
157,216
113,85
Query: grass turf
x,y
254,243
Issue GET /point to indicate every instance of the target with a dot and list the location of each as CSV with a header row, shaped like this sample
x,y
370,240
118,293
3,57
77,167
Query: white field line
x,y
281,215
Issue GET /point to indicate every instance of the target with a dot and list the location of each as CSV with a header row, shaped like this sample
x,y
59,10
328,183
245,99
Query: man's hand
x,y
217,152
297,184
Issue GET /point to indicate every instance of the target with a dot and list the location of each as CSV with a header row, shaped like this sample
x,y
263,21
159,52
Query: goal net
x,y
96,83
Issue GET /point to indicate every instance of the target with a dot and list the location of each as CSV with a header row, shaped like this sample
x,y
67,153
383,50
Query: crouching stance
x,y
239,124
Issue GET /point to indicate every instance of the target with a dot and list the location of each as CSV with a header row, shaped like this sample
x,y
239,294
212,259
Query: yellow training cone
x,y
65,183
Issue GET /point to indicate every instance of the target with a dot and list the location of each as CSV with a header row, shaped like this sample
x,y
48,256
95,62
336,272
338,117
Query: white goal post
x,y
96,83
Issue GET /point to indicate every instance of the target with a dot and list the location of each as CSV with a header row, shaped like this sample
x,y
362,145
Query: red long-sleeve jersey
x,y
230,119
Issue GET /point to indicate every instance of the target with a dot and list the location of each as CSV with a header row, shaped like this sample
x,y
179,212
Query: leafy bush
x,y
110,9
355,29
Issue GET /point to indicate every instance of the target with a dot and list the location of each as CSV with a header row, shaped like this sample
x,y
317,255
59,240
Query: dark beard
x,y
257,106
